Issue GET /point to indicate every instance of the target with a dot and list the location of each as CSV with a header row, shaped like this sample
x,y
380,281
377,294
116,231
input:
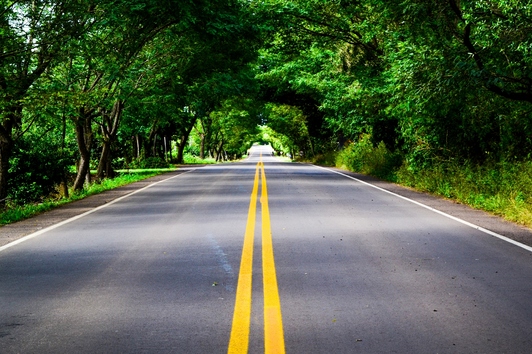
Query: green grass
x,y
503,188
195,160
15,213
363,157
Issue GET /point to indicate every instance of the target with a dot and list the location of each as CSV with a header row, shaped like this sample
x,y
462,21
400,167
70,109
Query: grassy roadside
x,y
501,188
191,160
16,213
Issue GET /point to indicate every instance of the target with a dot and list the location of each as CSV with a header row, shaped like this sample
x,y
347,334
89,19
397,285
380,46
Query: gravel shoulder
x,y
12,232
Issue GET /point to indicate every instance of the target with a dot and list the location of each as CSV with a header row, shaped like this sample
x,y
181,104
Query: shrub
x,y
192,159
503,188
35,170
363,157
150,162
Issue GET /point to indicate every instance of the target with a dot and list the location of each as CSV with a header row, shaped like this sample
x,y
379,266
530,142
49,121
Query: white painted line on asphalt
x,y
49,228
479,228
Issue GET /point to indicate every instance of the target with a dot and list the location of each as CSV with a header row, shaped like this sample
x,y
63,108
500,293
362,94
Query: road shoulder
x,y
15,231
480,218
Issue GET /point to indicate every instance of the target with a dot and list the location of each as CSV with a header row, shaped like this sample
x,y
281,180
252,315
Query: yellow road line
x,y
239,340
273,321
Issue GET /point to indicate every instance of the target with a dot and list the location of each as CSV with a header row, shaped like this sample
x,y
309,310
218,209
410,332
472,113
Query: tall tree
x,y
106,55
33,35
430,78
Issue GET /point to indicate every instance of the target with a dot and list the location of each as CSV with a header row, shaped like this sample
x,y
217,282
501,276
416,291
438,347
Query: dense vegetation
x,y
433,94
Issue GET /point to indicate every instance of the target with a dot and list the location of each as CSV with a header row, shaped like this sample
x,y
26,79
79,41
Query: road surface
x,y
265,256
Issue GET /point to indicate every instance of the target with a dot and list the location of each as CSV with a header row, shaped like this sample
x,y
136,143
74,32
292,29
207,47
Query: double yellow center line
x,y
273,322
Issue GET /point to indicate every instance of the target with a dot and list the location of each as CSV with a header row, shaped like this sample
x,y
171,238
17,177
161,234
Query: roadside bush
x,y
193,159
35,171
504,188
149,162
192,150
363,157
327,159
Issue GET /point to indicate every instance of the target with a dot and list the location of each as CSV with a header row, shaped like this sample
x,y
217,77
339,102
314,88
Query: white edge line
x,y
49,228
476,227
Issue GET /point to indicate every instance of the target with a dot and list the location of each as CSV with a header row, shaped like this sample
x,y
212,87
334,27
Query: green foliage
x,y
438,81
278,141
117,72
35,170
195,160
439,88
149,162
502,188
231,127
362,156
425,85
290,126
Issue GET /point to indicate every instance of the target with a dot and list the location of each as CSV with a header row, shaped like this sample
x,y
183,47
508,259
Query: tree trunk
x,y
202,146
170,148
104,163
180,150
311,147
136,146
219,151
148,145
6,148
183,142
110,172
204,136
110,123
83,170
84,140
154,146
64,181
165,146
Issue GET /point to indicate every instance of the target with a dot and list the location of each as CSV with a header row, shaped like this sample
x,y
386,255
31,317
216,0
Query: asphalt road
x,y
357,270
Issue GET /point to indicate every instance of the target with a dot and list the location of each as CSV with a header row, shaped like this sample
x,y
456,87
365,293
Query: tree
x,y
33,35
327,59
433,79
234,127
106,55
